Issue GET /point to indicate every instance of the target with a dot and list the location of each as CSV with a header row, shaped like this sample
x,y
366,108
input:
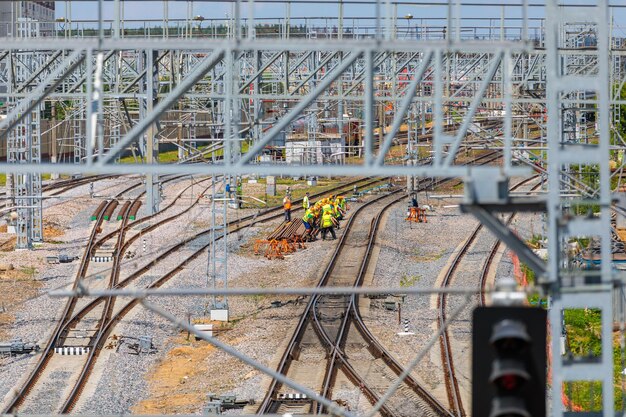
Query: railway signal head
x,y
509,362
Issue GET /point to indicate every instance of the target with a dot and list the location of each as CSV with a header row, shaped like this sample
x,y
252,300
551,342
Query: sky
x,y
323,8
140,11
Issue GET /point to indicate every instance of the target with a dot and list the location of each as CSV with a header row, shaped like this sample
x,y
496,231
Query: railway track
x,y
451,382
99,340
347,346
239,224
62,327
321,335
65,185
48,352
488,267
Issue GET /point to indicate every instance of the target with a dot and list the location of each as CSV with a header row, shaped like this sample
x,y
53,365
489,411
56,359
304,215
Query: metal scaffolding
x,y
24,144
209,86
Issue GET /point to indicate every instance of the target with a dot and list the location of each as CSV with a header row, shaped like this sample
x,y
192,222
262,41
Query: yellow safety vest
x,y
327,220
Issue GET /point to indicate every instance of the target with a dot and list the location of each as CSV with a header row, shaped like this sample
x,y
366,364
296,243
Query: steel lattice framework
x,y
186,85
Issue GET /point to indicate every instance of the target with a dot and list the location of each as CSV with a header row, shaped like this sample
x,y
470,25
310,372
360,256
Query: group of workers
x,y
324,215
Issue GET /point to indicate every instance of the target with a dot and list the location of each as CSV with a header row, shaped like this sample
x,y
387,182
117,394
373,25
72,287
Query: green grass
x,y
409,280
169,157
29,271
535,240
584,331
530,274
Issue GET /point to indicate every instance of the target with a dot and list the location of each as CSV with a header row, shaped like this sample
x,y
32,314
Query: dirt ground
x,y
16,286
172,381
19,284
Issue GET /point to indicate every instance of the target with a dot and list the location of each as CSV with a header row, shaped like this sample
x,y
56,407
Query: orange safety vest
x,y
287,204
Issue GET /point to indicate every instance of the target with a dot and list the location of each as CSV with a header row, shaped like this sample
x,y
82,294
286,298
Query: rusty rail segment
x,y
46,355
353,316
48,351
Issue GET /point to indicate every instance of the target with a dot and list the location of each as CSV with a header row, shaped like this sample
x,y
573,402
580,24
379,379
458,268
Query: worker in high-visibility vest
x,y
342,203
339,211
328,223
305,202
308,220
287,208
327,206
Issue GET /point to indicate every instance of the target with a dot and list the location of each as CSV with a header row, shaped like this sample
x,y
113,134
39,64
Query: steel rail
x,y
354,317
78,316
267,404
376,346
47,352
109,324
121,248
337,346
451,382
46,355
333,345
488,264
104,318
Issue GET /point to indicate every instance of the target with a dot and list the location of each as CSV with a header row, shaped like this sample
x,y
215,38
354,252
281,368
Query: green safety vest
x,y
327,208
305,202
308,216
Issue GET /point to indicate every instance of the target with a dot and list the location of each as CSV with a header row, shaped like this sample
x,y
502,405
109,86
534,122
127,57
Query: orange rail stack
x,y
286,238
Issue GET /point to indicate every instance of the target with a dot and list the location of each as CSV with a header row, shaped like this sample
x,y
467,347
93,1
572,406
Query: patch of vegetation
x,y
535,241
296,193
29,271
529,273
536,300
584,331
409,280
584,328
422,257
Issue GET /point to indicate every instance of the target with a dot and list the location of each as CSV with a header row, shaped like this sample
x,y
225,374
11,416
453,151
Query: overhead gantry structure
x,y
545,90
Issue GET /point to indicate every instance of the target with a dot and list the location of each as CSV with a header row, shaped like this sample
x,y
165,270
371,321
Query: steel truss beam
x,y
422,80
